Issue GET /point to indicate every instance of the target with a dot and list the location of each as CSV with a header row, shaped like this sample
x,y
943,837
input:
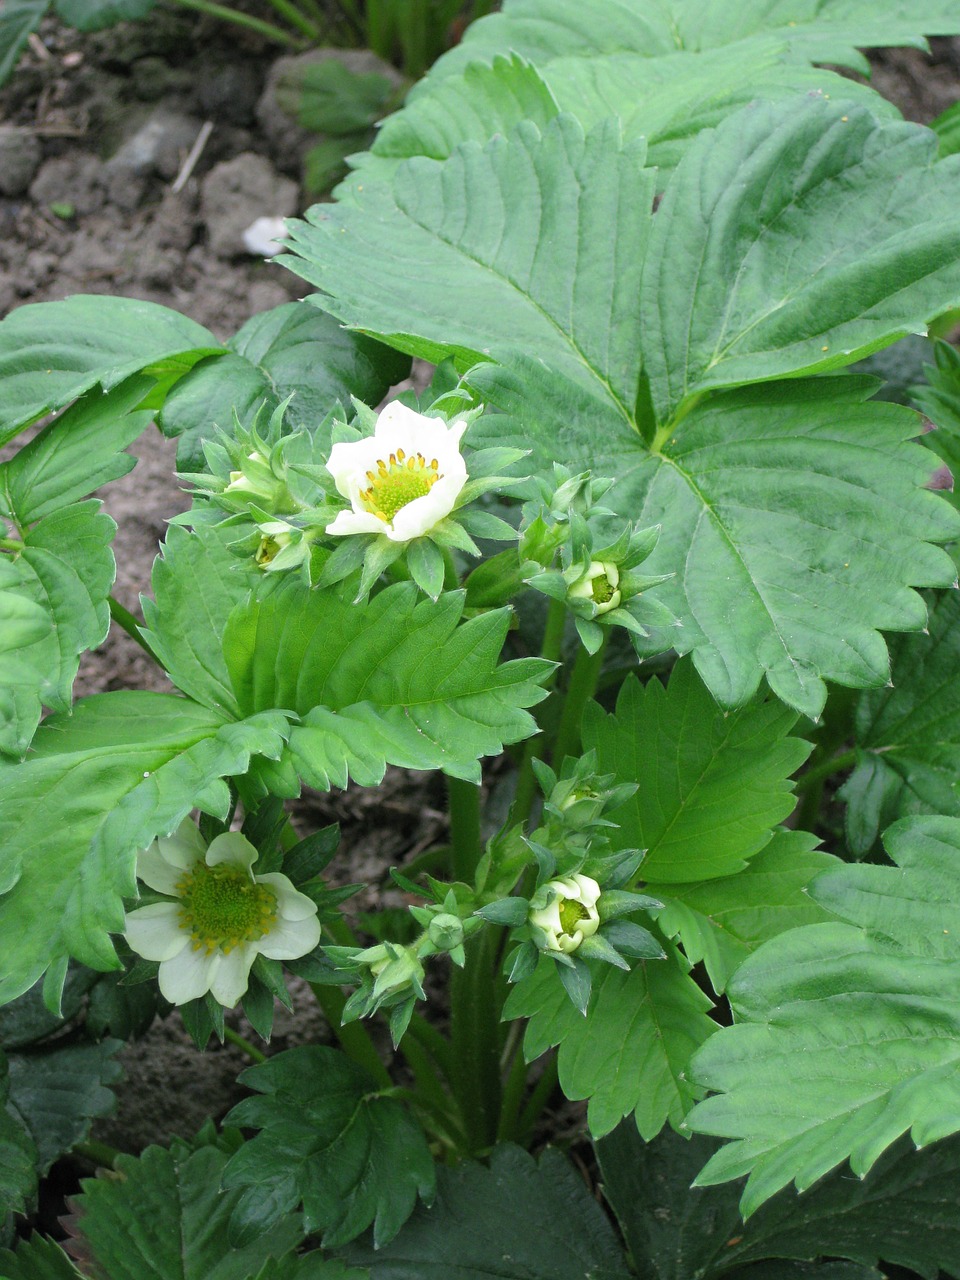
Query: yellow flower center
x,y
571,913
222,906
398,481
602,589
267,551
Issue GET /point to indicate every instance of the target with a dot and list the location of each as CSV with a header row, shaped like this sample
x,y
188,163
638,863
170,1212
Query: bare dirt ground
x,y
94,132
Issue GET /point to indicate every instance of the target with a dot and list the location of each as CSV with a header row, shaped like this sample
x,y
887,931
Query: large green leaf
x,y
58,1091
908,734
668,100
903,1211
791,513
52,352
37,1259
18,1155
392,681
18,19
632,1049
780,247
165,1217
818,30
722,922
711,786
517,1220
97,786
351,1153
293,349
847,1034
493,226
66,568
197,583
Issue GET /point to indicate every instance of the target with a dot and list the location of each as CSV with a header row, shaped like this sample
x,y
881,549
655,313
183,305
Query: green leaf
x,y
394,680
908,734
353,1155
903,1211
761,267
97,786
37,1259
197,583
94,15
66,569
847,1034
460,230
793,519
166,1216
947,128
59,1091
18,19
722,922
668,100
828,31
328,97
18,1156
517,1220
53,352
631,1051
293,349
76,453
711,785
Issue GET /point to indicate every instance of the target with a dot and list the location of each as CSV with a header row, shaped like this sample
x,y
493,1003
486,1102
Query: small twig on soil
x,y
195,152
38,47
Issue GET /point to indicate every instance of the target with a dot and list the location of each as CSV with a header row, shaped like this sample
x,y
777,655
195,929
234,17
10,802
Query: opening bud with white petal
x,y
563,913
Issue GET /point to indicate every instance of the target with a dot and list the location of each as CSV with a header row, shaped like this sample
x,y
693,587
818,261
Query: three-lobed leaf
x,y
330,1139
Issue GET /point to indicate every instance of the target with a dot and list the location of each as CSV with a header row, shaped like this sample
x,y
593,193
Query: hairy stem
x,y
550,648
242,1043
353,1037
826,769
583,685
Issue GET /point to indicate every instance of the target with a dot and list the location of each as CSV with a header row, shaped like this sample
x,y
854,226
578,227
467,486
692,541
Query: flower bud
x,y
563,913
599,585
445,931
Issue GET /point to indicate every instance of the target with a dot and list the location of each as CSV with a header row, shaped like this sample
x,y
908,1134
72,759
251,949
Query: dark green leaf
x,y
94,15
517,1220
18,19
352,1155
293,349
37,1259
712,785
166,1216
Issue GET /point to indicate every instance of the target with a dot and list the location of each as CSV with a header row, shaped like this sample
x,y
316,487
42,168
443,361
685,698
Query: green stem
x,y
11,544
296,19
97,1153
125,619
475,1040
464,829
583,685
538,1100
550,648
836,764
242,20
433,1042
242,1043
353,1037
513,1089
663,434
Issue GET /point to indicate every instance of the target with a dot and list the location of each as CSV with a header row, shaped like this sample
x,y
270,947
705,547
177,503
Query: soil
x,y
94,133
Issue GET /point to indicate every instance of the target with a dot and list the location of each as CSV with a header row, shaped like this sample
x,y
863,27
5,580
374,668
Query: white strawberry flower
x,y
564,913
220,918
403,480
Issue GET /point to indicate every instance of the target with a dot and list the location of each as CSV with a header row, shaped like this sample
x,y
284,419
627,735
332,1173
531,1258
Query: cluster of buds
x,y
576,911
597,578
390,976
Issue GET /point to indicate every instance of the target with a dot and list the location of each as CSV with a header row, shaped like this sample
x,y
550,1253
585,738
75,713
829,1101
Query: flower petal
x,y
291,904
349,463
157,871
154,932
419,516
183,847
289,939
187,976
232,848
231,977
356,522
